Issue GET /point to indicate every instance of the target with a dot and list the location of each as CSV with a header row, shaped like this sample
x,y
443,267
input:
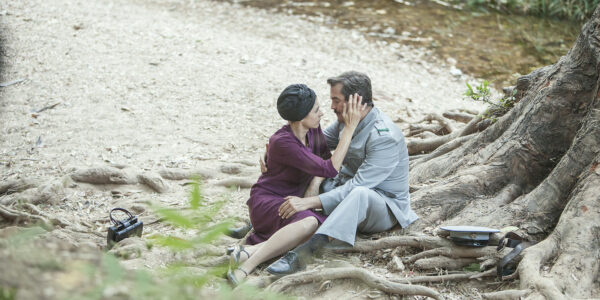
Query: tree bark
x,y
535,168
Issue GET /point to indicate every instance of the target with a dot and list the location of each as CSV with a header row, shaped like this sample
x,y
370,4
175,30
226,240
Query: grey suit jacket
x,y
377,159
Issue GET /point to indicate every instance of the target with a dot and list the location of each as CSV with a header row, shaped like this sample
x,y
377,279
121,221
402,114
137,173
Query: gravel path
x,y
176,84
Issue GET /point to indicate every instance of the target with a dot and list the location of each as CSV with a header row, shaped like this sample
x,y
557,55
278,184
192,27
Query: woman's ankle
x,y
241,273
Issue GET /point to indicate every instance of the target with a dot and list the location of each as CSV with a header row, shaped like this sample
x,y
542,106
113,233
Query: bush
x,y
576,10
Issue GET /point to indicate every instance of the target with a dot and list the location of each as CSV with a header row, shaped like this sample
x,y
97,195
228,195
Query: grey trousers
x,y
363,209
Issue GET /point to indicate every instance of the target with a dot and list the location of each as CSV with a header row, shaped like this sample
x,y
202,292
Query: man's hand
x,y
294,204
263,160
291,206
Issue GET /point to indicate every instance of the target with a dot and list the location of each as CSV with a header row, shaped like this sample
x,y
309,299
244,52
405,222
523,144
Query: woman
x,y
296,153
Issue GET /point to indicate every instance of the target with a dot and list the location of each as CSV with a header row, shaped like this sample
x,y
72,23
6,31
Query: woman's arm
x,y
313,187
351,115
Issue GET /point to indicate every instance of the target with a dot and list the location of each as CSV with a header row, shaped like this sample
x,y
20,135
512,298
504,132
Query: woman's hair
x,y
354,82
295,102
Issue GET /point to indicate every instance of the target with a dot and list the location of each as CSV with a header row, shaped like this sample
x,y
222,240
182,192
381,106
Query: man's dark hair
x,y
354,82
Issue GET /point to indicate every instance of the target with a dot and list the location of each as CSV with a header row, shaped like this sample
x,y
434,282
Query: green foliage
x,y
197,218
474,267
179,280
104,277
482,93
576,10
7,293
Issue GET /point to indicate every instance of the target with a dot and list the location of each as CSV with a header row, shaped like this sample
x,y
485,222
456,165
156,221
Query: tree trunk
x,y
535,168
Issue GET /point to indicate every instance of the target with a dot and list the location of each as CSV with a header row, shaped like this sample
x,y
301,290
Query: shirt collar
x,y
367,120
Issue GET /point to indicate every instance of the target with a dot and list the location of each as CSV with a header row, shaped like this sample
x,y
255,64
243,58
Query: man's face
x,y
337,101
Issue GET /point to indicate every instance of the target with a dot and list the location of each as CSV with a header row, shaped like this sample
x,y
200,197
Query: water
x,y
493,46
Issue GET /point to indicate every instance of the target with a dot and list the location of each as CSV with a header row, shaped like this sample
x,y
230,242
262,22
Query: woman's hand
x,y
263,160
353,111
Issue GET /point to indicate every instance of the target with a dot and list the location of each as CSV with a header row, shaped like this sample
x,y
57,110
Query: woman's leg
x,y
249,250
282,241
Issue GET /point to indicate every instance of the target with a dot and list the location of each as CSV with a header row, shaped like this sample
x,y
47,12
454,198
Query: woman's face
x,y
313,118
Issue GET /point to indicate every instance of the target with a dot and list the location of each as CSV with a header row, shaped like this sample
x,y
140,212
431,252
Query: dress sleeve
x,y
321,148
287,151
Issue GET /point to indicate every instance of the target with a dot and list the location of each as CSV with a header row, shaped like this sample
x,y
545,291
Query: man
x,y
370,193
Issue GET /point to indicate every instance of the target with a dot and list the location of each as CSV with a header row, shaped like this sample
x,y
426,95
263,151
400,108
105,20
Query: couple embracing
x,y
309,196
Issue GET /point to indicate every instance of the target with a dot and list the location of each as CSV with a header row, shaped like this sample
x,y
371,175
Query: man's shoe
x,y
337,245
288,264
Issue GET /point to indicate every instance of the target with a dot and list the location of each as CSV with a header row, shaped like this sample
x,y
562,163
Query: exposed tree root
x,y
423,242
20,217
426,135
110,175
575,264
459,116
354,273
16,185
442,120
181,174
468,111
104,175
442,262
231,169
506,295
37,211
50,192
454,252
423,146
535,168
214,261
445,278
241,182
415,129
154,182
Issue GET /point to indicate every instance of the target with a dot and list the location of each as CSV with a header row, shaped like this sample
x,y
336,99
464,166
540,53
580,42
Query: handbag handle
x,y
120,209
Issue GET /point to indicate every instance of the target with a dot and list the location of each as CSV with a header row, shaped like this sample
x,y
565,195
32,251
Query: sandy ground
x,y
175,84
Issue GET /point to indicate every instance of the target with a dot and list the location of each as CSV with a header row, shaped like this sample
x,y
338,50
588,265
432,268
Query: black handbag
x,y
124,228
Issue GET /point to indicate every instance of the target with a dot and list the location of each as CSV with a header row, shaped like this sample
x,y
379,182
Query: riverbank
x,y
486,44
145,86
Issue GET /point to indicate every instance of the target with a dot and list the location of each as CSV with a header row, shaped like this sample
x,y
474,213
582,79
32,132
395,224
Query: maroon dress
x,y
291,167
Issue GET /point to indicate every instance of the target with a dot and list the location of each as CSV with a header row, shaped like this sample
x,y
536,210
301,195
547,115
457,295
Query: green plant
x,y
576,10
480,93
498,108
102,276
7,293
198,218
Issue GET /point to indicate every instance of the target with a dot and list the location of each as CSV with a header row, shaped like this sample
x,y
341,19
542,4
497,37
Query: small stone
x,y
455,72
389,31
231,169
